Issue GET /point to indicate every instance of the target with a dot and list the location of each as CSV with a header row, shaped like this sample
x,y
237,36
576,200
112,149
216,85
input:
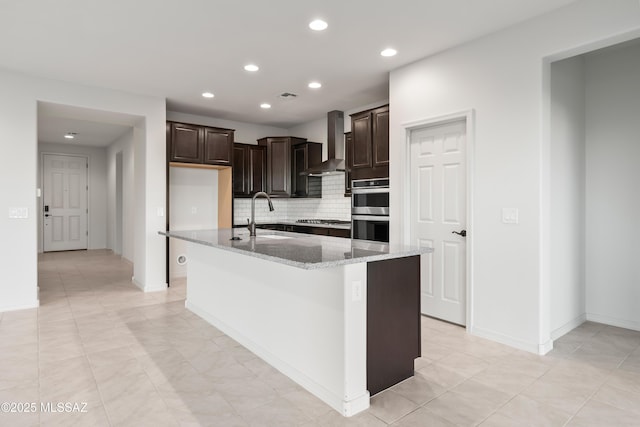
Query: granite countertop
x,y
296,249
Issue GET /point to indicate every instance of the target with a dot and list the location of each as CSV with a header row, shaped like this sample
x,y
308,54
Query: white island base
x,y
308,324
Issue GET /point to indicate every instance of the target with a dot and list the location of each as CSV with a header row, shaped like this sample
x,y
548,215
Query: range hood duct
x,y
335,147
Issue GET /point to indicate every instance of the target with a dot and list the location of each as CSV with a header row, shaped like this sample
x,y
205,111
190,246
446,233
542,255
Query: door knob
x,y
462,233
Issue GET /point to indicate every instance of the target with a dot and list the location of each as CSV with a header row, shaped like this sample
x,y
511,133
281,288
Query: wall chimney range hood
x,y
335,147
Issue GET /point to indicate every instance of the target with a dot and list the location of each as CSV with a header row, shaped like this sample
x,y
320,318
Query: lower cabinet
x,y
321,231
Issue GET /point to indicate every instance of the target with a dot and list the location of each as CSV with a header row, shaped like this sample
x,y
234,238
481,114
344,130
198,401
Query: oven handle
x,y
369,190
369,218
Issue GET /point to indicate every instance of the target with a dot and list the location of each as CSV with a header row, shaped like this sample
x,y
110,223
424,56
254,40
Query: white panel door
x,y
438,212
64,196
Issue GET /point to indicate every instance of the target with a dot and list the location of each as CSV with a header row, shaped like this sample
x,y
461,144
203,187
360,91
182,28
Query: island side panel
x,y
393,321
355,338
294,319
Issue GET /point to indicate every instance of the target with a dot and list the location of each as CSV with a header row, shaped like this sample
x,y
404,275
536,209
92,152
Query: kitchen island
x,y
340,317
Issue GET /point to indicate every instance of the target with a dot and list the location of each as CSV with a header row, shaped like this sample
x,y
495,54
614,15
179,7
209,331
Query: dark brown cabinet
x,y
348,141
306,229
287,156
302,157
361,140
218,144
370,143
393,321
200,144
249,169
185,143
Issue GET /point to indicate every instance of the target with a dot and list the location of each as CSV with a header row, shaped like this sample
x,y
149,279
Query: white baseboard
x,y
35,304
613,321
149,288
541,348
569,326
346,408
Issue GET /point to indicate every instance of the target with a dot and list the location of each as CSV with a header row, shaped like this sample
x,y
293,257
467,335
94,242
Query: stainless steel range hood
x,y
335,147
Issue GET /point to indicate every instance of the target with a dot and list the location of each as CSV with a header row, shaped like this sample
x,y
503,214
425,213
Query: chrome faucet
x,y
252,224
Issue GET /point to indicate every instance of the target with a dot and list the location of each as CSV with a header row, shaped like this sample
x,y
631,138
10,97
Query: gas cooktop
x,y
323,221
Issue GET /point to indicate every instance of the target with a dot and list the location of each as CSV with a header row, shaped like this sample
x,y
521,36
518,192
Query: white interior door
x,y
64,195
438,211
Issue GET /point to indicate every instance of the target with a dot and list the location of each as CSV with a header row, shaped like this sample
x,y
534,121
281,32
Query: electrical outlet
x,y
356,290
160,211
510,215
194,210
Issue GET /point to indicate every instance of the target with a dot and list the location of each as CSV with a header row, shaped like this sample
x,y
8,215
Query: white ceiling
x,y
92,127
178,49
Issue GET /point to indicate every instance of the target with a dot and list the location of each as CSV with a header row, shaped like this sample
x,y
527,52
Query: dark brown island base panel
x,y
393,321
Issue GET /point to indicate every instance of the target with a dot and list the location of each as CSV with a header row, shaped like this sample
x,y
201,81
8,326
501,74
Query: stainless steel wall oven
x,y
370,209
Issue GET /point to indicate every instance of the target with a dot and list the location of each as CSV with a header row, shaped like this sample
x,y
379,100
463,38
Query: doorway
x,y
438,215
64,202
594,150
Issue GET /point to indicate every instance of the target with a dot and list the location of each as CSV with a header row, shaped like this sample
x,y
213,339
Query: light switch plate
x,y
510,215
160,211
18,213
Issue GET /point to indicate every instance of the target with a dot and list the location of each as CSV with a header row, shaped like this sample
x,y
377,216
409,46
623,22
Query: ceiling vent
x,y
288,95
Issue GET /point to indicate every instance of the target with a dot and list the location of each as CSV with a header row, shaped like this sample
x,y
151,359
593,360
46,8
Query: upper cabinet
x,y
278,164
249,169
348,141
200,144
369,151
302,157
218,145
287,156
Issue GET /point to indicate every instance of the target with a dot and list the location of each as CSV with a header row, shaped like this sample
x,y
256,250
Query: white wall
x,y
18,178
567,195
97,181
502,78
123,145
613,174
247,133
193,206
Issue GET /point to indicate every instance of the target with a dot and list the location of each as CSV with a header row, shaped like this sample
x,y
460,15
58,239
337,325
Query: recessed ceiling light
x,y
388,52
265,105
251,67
315,85
208,95
70,135
318,25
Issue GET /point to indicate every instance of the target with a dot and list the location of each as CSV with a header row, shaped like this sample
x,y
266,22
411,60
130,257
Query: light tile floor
x,y
143,360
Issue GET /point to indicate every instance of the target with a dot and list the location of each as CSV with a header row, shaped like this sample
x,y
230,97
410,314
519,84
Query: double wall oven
x,y
370,209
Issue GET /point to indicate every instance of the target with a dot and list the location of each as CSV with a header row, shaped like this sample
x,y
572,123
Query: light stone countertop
x,y
306,251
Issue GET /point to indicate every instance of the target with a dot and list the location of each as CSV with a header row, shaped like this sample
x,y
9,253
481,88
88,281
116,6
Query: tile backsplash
x,y
332,205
